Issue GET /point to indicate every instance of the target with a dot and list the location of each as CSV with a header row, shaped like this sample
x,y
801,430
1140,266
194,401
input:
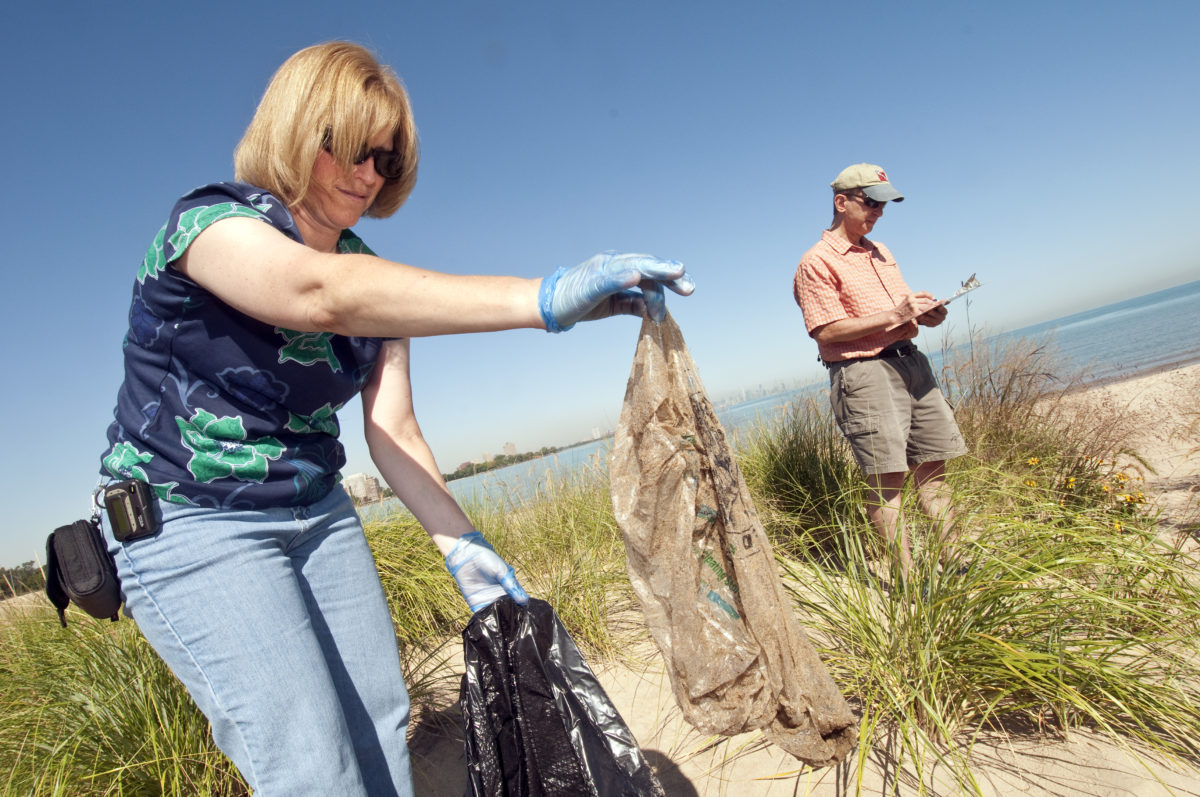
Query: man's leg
x,y
933,494
871,406
934,438
883,510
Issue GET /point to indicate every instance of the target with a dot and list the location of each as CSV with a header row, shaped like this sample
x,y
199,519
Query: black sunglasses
x,y
389,164
866,200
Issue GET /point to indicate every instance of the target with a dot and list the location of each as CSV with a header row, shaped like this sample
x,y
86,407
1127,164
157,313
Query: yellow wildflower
x,y
1030,483
1032,461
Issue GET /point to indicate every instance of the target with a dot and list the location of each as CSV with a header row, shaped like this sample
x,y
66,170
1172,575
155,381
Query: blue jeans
x,y
277,624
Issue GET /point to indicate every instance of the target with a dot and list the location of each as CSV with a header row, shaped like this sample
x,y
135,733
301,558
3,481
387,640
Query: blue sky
x,y
1048,147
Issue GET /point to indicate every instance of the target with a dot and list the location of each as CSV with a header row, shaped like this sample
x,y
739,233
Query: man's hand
x,y
933,316
910,306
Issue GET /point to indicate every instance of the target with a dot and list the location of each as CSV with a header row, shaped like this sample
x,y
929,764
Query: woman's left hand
x,y
610,283
482,576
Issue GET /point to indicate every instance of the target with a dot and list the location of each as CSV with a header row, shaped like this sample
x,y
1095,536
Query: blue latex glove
x,y
482,576
608,284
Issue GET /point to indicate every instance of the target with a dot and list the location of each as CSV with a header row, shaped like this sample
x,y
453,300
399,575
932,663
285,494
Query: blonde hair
x,y
334,95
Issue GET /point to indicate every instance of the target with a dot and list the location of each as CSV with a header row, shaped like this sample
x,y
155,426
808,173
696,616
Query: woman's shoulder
x,y
200,208
233,198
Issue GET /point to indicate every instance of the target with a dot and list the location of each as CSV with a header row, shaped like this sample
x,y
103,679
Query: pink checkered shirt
x,y
837,279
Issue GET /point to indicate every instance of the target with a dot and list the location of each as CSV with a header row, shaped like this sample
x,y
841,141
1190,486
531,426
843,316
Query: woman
x,y
245,338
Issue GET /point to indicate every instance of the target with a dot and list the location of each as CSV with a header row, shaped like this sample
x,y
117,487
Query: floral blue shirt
x,y
218,409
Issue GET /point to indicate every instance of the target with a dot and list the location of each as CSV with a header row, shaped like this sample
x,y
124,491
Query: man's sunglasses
x,y
866,200
389,164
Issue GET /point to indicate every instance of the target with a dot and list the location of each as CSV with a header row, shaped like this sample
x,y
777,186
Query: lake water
x,y
1127,338
1117,341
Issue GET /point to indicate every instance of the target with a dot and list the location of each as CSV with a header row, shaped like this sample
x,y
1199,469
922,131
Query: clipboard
x,y
968,285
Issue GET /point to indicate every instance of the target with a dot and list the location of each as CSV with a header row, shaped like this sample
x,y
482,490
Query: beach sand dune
x,y
1163,409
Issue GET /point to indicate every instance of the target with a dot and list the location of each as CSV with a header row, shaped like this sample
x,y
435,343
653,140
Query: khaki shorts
x,y
893,413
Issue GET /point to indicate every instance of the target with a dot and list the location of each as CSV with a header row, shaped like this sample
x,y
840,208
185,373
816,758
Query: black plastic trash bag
x,y
537,721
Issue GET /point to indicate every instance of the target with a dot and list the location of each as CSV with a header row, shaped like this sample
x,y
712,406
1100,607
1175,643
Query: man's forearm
x,y
848,329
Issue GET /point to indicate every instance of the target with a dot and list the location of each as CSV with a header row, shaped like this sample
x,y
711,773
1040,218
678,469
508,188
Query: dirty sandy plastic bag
x,y
703,570
538,723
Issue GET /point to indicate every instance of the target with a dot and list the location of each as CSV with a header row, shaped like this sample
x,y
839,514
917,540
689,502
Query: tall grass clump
x,y
1027,430
92,710
563,541
1075,610
1055,626
424,601
803,477
569,551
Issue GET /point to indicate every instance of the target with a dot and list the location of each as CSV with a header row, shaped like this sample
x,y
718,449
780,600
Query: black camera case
x,y
80,569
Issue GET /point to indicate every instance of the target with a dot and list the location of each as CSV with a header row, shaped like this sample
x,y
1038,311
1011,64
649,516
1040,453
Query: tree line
x,y
501,461
19,580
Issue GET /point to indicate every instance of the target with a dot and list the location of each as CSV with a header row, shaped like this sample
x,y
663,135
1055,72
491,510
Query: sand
x,y
1165,409
1163,406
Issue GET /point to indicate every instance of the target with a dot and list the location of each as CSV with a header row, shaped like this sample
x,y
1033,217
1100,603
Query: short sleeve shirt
x,y
218,409
837,279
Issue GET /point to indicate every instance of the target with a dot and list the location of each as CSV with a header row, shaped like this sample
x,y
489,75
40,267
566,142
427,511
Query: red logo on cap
x,y
882,176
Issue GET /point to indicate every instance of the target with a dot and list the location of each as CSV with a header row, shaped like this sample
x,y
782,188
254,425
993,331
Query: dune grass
x,y
92,710
563,541
1077,611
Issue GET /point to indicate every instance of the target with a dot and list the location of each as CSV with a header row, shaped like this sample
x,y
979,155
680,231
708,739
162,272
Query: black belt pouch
x,y
80,569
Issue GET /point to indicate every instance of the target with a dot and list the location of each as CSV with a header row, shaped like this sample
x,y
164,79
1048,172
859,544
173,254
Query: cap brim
x,y
883,192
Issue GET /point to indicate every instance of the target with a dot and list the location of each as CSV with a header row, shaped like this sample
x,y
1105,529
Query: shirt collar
x,y
840,245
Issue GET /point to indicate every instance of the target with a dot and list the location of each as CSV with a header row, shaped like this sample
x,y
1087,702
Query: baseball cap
x,y
871,179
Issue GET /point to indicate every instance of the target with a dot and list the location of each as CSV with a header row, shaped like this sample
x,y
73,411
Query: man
x,y
885,398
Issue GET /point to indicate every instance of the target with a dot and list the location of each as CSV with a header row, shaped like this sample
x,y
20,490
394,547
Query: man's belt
x,y
891,352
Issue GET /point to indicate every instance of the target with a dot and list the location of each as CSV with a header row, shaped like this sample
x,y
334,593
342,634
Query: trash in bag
x,y
537,721
703,569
